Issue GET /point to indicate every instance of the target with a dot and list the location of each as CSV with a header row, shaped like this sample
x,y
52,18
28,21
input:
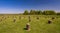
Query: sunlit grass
x,y
36,25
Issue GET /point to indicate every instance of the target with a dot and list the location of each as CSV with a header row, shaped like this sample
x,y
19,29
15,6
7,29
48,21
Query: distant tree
x,y
49,12
39,12
32,12
58,13
35,12
26,12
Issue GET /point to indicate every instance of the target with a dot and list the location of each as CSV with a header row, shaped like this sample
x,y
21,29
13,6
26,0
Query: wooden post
x,y
14,20
19,17
0,20
37,17
28,26
53,18
49,21
29,19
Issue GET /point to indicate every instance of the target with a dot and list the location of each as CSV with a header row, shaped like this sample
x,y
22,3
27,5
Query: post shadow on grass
x,y
25,28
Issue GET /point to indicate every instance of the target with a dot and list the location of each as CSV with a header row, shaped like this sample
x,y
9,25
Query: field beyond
x,y
36,25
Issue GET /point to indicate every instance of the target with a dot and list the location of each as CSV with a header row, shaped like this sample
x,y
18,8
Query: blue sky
x,y
18,6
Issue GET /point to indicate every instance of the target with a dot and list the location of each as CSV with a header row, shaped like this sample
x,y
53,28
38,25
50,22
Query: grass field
x,y
36,25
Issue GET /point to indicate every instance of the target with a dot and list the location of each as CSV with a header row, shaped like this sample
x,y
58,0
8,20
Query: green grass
x,y
36,26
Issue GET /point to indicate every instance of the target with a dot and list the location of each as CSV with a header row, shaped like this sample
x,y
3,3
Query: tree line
x,y
40,12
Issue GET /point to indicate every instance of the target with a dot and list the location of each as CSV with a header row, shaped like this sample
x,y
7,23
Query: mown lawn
x,y
36,25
